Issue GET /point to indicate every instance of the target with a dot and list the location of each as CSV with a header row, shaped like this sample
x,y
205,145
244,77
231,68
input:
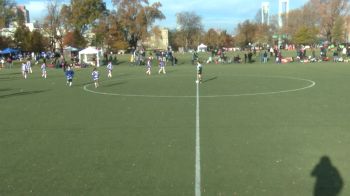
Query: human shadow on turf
x,y
5,89
114,84
210,79
328,179
21,94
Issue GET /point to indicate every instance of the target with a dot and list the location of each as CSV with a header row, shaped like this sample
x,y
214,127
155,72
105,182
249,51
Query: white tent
x,y
70,49
90,55
202,48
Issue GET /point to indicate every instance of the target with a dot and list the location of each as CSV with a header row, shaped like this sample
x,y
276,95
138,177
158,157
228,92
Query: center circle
x,y
184,86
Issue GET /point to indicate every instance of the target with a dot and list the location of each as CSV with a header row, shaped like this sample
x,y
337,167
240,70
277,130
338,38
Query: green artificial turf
x,y
261,132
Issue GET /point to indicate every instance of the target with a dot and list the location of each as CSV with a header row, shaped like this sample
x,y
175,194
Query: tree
x,y
328,11
7,15
6,42
37,41
212,38
74,39
22,38
135,18
305,35
85,12
114,37
246,33
190,26
53,25
338,31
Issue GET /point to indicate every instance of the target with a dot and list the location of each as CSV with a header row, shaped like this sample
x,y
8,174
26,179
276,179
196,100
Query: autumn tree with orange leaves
x,y
135,19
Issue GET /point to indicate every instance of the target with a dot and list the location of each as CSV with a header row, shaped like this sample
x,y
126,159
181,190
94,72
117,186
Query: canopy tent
x,y
202,48
70,52
70,48
9,51
90,55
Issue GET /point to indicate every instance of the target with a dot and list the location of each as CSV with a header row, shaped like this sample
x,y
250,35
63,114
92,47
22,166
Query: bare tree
x,y
190,26
53,25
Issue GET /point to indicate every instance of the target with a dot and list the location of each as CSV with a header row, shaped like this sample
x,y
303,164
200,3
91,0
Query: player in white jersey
x,y
149,66
95,76
43,70
161,65
24,70
29,66
109,69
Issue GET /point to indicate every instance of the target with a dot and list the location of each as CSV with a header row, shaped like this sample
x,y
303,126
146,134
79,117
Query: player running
x,y
161,65
29,66
199,72
95,76
149,66
43,70
24,70
69,74
109,69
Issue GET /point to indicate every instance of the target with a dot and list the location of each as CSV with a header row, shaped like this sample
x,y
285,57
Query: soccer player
x,y
109,68
43,70
24,70
69,75
199,72
148,66
161,65
29,66
95,75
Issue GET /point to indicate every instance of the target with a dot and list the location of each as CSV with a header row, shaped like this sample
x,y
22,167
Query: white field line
x,y
310,85
198,159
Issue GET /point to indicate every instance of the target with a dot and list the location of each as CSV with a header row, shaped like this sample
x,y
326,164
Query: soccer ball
x,y
197,81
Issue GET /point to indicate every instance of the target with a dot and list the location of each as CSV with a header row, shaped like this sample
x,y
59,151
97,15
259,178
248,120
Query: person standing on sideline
x,y
265,56
95,76
24,70
43,70
69,74
199,72
148,66
109,69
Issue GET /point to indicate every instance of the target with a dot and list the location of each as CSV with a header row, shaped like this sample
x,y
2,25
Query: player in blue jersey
x,y
43,70
149,66
24,70
69,75
109,69
199,72
95,76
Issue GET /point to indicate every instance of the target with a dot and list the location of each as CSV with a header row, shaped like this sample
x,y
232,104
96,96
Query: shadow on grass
x,y
21,94
5,89
114,84
13,73
10,78
328,179
210,79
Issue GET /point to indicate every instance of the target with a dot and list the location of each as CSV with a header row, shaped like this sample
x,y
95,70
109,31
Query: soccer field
x,y
248,129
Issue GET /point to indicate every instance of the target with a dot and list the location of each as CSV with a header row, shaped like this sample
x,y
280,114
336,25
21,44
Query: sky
x,y
217,14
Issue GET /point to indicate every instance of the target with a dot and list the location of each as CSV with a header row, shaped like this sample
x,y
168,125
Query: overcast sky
x,y
220,14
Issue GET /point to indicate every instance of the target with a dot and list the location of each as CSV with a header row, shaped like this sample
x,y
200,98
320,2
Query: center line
x,y
198,160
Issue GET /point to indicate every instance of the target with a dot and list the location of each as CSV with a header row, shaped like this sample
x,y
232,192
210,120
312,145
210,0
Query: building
x,y
265,13
24,11
158,40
